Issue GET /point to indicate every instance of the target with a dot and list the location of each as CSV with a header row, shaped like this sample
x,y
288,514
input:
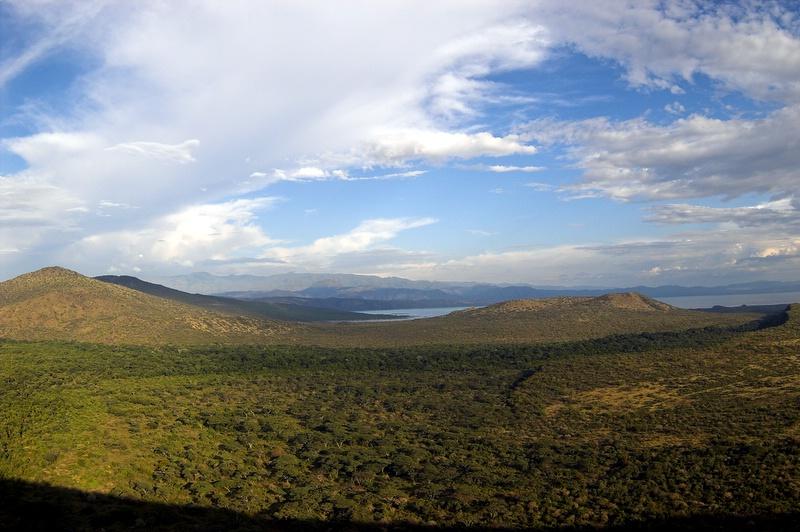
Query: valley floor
x,y
654,429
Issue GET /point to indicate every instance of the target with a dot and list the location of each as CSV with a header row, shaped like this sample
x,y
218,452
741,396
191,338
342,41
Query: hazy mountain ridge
x,y
425,293
202,282
226,305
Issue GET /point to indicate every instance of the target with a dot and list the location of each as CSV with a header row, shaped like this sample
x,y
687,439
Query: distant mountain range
x,y
368,292
275,310
58,304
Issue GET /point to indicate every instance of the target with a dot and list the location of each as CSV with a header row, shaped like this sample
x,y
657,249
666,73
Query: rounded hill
x,y
59,304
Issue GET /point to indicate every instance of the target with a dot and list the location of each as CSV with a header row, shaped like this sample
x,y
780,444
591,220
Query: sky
x,y
603,143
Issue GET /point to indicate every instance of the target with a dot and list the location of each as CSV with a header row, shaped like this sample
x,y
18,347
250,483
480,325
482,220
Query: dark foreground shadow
x,y
38,507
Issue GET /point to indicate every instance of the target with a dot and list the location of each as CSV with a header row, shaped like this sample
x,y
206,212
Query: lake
x,y
415,313
680,302
731,300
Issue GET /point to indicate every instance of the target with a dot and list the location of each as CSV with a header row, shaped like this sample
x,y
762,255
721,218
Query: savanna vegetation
x,y
622,430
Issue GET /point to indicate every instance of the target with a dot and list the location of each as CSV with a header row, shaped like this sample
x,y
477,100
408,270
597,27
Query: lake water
x,y
415,313
680,302
732,300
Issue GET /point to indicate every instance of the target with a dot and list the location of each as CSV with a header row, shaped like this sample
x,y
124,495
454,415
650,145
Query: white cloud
x,y
458,91
229,235
258,180
105,204
692,157
27,203
781,214
56,24
142,173
177,153
710,257
262,87
480,232
508,169
401,146
194,234
675,108
290,93
34,215
748,47
541,187
366,236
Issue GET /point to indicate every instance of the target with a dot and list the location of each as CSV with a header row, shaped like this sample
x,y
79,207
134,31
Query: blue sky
x,y
609,144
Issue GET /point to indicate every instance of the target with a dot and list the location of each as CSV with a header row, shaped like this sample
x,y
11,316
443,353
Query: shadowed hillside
x,y
29,506
528,321
59,304
227,305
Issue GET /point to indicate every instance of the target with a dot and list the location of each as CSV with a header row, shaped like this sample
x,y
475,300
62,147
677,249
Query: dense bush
x,y
601,432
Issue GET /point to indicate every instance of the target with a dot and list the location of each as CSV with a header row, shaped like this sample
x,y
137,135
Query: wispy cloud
x,y
541,187
506,169
177,153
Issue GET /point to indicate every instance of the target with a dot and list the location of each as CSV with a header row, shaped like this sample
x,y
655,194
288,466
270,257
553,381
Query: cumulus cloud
x,y
401,146
34,213
746,46
366,236
29,203
690,158
152,175
675,108
194,234
229,234
780,213
711,257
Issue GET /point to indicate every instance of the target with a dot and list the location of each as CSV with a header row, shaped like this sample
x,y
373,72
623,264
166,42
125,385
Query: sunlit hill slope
x,y
528,321
56,303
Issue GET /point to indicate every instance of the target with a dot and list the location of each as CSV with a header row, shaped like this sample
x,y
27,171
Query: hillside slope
x,y
59,304
528,321
227,305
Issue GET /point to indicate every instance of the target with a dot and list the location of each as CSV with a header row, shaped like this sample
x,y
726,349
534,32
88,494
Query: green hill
x,y
58,304
227,305
527,321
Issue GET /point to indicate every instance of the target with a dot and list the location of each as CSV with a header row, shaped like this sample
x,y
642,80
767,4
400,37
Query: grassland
x,y
626,429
